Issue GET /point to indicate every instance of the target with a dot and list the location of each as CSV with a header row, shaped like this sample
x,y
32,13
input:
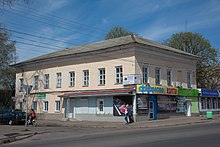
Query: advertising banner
x,y
209,93
188,92
152,89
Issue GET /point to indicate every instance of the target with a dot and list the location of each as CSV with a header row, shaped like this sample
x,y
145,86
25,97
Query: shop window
x,y
214,103
203,103
218,103
209,103
119,103
167,104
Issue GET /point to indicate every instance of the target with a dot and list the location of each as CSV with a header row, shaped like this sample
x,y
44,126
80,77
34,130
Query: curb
x,y
16,138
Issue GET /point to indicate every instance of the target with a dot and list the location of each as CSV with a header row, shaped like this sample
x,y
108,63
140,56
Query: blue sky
x,y
45,26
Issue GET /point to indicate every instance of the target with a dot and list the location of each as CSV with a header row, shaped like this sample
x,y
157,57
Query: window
x,y
36,79
34,105
157,76
86,78
46,81
203,103
118,75
57,106
102,76
169,77
189,80
72,78
21,85
145,74
45,106
100,106
58,80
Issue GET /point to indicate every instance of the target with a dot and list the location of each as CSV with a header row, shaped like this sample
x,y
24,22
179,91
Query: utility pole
x,y
27,90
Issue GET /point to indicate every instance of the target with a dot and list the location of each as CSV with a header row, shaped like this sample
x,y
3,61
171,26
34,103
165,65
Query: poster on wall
x,y
142,103
181,104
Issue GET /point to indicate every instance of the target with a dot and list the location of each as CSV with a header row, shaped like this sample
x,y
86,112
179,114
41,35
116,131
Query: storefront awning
x,y
98,93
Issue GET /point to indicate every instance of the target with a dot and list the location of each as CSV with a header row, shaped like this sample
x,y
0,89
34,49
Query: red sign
x,y
172,91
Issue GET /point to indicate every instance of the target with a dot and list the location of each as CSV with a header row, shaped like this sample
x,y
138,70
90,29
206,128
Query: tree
x,y
118,32
196,44
7,73
10,3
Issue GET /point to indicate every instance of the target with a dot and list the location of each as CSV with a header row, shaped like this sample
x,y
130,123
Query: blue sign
x,y
209,93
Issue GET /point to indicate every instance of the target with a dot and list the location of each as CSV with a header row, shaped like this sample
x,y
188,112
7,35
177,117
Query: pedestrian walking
x,y
126,114
130,114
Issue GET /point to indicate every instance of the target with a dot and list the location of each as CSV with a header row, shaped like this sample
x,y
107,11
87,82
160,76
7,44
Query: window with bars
x,y
85,77
118,75
102,76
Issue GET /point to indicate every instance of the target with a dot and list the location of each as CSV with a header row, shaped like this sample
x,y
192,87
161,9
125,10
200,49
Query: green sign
x,y
188,92
41,96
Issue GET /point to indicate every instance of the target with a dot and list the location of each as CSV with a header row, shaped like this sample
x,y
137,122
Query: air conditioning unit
x,y
131,79
178,84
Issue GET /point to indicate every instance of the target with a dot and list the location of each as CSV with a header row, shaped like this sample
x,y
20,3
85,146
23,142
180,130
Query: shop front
x,y
156,102
209,100
187,101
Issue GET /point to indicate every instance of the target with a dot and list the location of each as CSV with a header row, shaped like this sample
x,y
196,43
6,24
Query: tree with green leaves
x,y
196,44
7,73
118,32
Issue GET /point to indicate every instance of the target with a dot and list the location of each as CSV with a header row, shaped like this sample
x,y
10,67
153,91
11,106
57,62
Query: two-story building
x,y
92,81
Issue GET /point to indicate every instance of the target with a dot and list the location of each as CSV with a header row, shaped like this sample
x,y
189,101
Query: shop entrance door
x,y
151,109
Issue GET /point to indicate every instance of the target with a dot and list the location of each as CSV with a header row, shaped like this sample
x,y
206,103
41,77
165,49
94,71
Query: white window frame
x,y
189,79
72,78
102,76
59,80
21,85
118,75
46,81
145,74
203,104
158,76
45,106
85,78
36,80
57,106
169,77
100,107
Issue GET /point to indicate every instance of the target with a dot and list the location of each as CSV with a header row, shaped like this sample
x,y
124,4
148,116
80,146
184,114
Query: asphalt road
x,y
199,135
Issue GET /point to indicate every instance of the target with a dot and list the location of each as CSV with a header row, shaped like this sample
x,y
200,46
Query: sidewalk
x,y
14,133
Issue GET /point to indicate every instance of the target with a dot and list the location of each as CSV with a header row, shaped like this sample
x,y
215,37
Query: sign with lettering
x,y
172,91
149,89
41,96
209,93
188,92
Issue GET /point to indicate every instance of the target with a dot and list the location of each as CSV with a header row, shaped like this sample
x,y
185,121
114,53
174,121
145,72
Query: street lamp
x,y
27,91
